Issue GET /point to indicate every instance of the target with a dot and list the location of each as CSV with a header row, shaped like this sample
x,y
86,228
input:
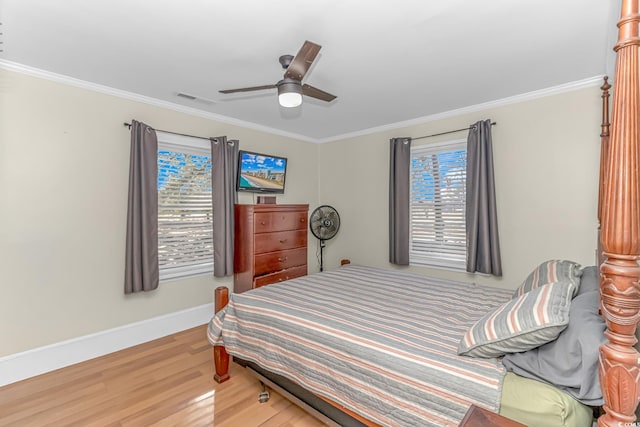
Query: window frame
x,y
189,146
419,257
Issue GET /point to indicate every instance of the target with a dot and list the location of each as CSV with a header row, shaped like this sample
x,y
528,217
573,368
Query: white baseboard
x,y
19,366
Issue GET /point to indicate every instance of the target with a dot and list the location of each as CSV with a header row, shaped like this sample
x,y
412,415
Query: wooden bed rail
x,y
620,226
220,356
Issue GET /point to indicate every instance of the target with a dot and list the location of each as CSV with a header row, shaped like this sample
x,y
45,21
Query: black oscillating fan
x,y
324,224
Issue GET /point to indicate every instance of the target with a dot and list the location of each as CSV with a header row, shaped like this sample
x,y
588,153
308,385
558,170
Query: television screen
x,y
261,173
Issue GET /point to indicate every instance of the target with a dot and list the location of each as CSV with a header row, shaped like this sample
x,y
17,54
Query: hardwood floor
x,y
166,382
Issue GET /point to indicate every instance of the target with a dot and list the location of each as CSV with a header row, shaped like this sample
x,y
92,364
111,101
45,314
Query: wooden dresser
x,y
270,244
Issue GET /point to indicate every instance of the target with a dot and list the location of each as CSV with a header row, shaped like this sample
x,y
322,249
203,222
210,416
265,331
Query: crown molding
x,y
47,75
529,96
107,90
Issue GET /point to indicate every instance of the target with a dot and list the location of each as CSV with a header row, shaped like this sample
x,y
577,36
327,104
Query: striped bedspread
x,y
381,343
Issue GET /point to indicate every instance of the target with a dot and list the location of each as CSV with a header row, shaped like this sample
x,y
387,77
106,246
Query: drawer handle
x,y
281,279
283,240
283,259
262,223
302,219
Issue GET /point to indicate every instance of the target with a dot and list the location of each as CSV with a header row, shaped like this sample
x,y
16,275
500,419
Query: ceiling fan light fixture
x,y
289,93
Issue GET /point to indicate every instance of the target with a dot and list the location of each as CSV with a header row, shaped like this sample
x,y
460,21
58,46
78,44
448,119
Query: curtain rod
x,y
451,131
174,133
201,137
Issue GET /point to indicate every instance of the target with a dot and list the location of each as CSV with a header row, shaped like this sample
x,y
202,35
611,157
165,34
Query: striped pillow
x,y
521,324
550,272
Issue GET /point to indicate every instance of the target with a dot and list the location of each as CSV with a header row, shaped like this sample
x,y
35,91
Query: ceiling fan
x,y
290,88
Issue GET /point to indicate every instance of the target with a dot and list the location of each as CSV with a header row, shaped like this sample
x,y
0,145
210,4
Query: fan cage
x,y
324,223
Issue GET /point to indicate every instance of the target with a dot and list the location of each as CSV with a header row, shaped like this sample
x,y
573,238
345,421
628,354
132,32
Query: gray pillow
x,y
571,361
589,280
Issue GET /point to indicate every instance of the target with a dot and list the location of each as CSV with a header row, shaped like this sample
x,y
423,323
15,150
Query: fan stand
x,y
321,248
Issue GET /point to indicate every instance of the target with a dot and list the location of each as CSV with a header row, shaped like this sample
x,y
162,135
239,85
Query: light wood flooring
x,y
166,382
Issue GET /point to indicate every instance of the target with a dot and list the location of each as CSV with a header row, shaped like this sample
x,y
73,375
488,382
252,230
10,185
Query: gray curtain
x,y
141,263
483,247
399,188
224,161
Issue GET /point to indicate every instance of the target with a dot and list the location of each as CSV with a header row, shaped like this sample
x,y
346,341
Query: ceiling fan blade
x,y
248,89
317,93
302,61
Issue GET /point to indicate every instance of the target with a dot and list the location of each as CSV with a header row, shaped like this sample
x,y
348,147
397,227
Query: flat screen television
x,y
261,173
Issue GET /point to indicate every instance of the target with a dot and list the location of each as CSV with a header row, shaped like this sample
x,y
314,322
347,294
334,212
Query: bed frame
x,y
618,236
619,209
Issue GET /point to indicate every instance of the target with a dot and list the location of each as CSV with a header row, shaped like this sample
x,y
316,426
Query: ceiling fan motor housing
x,y
289,92
289,83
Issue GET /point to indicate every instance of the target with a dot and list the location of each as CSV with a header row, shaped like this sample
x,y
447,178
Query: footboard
x,y
220,356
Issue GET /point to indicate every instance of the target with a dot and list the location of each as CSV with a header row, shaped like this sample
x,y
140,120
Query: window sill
x,y
440,264
173,276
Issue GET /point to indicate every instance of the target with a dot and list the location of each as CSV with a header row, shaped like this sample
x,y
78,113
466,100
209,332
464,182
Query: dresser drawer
x,y
279,221
276,261
271,242
280,276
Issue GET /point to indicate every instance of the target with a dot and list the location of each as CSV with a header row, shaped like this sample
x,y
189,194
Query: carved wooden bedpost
x,y
604,154
220,356
620,273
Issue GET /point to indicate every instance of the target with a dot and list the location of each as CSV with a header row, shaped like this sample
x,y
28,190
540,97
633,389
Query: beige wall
x,y
64,159
546,155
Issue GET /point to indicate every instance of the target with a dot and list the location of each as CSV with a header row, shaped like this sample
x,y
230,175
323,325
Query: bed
x,y
381,343
388,363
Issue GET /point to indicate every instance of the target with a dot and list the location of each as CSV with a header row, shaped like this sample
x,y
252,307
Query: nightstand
x,y
479,417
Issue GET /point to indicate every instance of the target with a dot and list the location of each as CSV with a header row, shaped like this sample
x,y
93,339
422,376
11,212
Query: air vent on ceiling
x,y
195,98
186,95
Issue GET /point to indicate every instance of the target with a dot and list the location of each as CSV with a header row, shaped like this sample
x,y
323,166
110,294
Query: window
x,y
185,213
437,205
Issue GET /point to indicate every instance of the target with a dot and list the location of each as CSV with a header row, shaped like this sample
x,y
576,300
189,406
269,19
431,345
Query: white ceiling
x,y
387,61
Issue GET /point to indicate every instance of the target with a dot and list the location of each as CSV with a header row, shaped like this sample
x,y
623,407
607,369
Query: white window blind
x,y
437,205
185,213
